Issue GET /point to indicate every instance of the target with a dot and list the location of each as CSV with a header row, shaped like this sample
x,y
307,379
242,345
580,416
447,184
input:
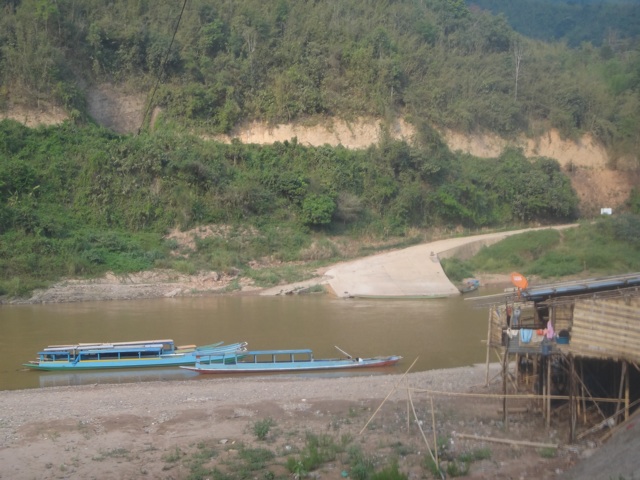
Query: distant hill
x,y
437,63
603,23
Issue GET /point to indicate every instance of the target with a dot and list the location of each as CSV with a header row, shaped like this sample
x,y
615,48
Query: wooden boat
x,y
260,361
149,353
469,285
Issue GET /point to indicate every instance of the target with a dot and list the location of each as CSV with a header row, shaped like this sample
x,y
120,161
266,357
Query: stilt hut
x,y
575,346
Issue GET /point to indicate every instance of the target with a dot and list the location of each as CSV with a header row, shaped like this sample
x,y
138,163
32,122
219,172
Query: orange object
x,y
519,280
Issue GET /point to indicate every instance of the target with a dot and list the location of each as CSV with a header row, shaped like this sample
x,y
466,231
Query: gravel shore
x,y
157,429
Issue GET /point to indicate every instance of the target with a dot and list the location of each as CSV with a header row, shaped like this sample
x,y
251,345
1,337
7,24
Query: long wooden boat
x,y
259,361
147,353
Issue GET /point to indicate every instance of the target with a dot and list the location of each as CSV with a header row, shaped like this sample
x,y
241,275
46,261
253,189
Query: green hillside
x,y
215,63
79,200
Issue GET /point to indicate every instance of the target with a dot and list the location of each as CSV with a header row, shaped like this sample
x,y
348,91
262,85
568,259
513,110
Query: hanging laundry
x,y
516,317
550,331
525,335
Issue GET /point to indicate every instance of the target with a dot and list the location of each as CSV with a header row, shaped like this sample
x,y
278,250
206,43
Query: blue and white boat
x,y
148,353
263,361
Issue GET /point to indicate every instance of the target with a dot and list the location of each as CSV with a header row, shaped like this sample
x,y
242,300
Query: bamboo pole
x,y
505,363
605,422
507,441
511,395
582,389
488,345
435,433
623,370
613,430
424,437
548,397
626,396
572,401
408,406
388,395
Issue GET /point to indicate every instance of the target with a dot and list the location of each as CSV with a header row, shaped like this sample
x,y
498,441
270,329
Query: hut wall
x,y
498,323
562,317
607,328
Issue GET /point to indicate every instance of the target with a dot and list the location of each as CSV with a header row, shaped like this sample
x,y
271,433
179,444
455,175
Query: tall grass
x,y
606,246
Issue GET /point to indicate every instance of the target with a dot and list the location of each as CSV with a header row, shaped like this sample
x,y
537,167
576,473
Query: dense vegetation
x,y
602,23
82,200
436,62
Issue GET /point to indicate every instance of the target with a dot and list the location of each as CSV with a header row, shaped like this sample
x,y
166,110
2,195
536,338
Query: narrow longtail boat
x,y
262,361
148,353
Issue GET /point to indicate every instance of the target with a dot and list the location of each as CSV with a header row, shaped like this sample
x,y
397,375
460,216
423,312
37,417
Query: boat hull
x,y
288,367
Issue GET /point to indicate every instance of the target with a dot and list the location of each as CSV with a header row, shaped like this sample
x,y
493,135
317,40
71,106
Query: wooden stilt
x,y
626,394
623,371
488,345
582,394
408,407
548,392
573,404
505,365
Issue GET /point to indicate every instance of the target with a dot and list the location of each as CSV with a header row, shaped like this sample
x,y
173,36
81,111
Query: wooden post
x,y
505,366
583,394
488,344
572,400
548,392
408,407
626,394
623,372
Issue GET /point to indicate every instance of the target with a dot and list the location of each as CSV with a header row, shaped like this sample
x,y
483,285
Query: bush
x,y
262,428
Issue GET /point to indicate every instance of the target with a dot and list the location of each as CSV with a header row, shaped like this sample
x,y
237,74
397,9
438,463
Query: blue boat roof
x,y
577,287
85,351
275,352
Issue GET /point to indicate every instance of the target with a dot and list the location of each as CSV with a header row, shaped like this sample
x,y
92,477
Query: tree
x,y
518,53
317,210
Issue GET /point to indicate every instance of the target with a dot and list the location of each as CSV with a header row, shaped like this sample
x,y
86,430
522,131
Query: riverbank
x,y
410,272
173,430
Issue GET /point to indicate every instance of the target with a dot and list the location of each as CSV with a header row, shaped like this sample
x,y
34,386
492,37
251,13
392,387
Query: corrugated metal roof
x,y
544,292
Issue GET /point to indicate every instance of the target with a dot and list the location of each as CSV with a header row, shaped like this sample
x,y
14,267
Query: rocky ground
x,y
262,427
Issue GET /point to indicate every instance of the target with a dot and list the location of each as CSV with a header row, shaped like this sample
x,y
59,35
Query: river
x,y
439,333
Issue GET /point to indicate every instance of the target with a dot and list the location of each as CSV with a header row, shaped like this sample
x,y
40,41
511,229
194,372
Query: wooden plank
x,y
507,441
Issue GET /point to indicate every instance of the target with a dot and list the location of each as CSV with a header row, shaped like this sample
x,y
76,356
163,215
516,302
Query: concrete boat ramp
x,y
413,272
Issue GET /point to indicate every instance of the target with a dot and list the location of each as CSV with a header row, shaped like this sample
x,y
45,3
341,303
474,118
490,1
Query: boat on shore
x,y
266,361
147,353
469,285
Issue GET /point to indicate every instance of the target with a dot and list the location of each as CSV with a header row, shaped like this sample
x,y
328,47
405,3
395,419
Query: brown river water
x,y
439,333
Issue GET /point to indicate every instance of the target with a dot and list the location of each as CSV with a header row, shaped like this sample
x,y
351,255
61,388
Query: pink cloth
x,y
550,332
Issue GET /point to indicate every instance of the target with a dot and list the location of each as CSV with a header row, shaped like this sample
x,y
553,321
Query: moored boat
x,y
263,361
148,353
469,285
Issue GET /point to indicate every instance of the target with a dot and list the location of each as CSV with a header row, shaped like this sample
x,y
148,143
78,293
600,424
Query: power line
x,y
164,63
